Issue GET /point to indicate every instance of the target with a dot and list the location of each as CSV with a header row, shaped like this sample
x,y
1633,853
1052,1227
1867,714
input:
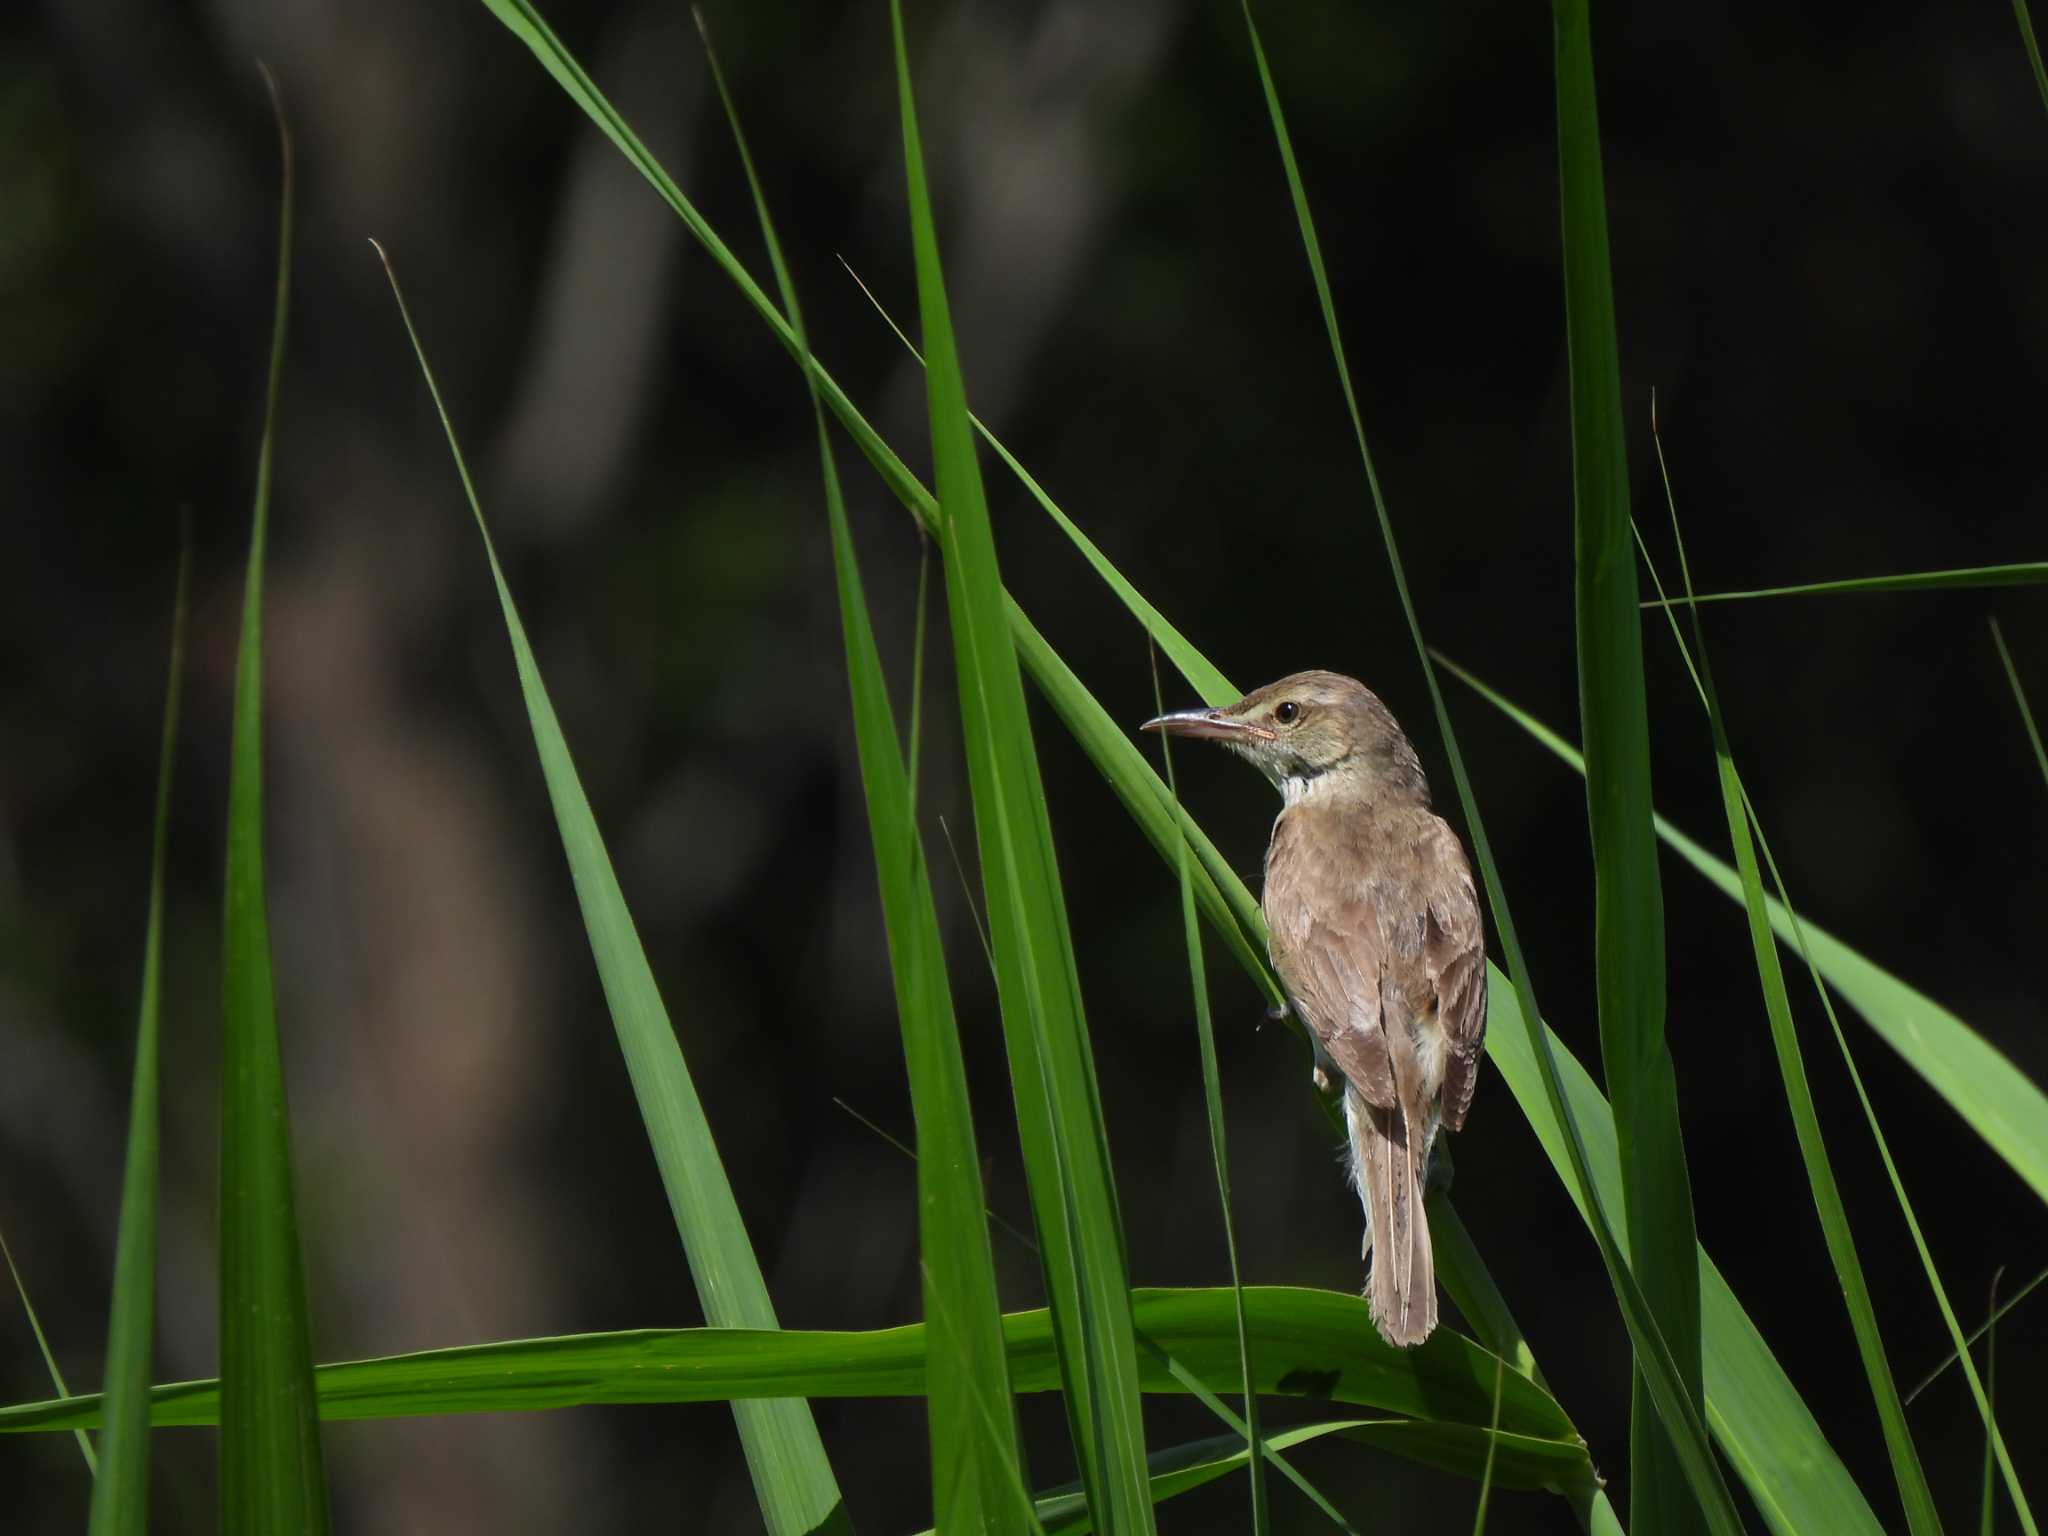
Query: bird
x,y
1375,931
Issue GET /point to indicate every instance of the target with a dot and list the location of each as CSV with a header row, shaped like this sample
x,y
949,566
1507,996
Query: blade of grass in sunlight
x,y
1914,1494
2033,47
1628,898
1307,1344
1212,1095
272,1477
35,1326
120,1498
1673,1387
792,1478
1979,1082
2027,573
1059,1113
2019,696
978,1480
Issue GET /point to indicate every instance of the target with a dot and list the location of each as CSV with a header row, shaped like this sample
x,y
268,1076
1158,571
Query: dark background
x,y
1829,263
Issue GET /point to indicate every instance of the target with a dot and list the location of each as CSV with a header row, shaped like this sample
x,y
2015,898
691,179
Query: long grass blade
x,y
1987,1503
271,1474
1309,1345
1673,1387
1212,1097
2026,573
1066,1152
35,1326
1628,900
1979,1081
792,1478
977,1462
2019,696
1914,1494
120,1498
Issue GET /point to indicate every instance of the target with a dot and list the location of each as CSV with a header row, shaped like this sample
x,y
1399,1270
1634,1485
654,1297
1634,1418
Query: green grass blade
x,y
1628,909
1914,1494
1979,1081
1212,1096
1673,1388
120,1499
271,1474
792,1479
2019,696
2033,47
1492,1445
977,1462
1066,1152
1309,1345
1988,1501
35,1326
2028,573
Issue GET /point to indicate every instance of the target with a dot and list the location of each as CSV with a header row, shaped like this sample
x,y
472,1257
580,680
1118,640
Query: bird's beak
x,y
1208,725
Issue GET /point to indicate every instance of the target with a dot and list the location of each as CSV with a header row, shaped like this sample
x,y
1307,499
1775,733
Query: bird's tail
x,y
1388,1170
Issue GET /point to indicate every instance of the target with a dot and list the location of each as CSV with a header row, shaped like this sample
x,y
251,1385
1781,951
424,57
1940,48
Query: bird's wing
x,y
1454,950
1329,954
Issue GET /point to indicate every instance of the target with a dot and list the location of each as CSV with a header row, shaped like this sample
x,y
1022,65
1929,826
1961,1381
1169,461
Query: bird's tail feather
x,y
1387,1167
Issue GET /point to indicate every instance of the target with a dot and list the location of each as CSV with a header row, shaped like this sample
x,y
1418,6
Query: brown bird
x,y
1374,927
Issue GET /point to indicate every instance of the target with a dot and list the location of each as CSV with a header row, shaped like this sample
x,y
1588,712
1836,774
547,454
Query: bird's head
x,y
1312,733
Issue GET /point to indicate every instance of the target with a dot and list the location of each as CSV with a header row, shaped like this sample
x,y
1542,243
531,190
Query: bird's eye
x,y
1287,713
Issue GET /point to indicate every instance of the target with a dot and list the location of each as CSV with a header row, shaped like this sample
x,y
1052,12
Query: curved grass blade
x,y
1914,1494
35,1326
2026,573
792,1478
1978,1080
271,1474
120,1498
1673,1387
1212,1097
1308,1344
2019,695
977,1463
1059,1113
